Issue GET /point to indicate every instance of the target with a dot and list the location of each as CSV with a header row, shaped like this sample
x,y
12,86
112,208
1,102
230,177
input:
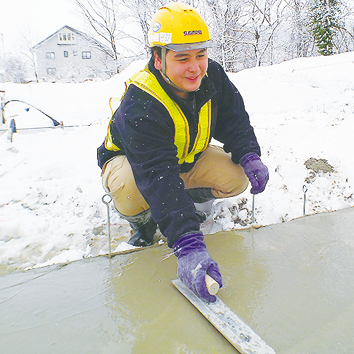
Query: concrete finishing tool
x,y
238,333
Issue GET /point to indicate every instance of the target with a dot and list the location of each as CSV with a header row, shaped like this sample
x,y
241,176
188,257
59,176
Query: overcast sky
x,y
34,20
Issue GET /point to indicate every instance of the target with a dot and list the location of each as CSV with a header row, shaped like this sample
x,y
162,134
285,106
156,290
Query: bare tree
x,y
140,13
301,43
246,33
123,24
225,27
102,16
265,19
14,69
27,45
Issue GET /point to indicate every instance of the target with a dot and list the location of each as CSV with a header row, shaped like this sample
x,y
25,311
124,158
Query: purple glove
x,y
256,172
194,263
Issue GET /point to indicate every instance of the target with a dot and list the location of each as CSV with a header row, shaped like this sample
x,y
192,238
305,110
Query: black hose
x,y
55,122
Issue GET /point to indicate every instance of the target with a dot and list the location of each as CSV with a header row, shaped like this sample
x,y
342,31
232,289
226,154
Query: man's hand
x,y
256,172
194,263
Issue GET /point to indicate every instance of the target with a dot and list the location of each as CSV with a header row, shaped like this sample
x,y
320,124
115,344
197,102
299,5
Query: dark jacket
x,y
144,131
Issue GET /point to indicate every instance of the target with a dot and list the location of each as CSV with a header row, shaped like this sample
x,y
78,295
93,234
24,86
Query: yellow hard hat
x,y
178,26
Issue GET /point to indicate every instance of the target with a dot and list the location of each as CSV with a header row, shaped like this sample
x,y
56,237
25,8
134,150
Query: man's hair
x,y
157,50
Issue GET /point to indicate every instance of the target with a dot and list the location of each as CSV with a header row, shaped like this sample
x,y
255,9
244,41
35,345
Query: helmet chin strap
x,y
163,71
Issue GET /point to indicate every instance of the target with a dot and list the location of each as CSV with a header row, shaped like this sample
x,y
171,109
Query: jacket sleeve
x,y
233,126
147,135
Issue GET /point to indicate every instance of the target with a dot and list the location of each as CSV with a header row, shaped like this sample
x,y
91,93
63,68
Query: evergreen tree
x,y
324,23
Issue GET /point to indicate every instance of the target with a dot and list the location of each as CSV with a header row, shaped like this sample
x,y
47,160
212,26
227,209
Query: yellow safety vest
x,y
146,81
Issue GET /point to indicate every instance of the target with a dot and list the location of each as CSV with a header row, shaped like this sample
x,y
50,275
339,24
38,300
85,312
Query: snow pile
x,y
50,189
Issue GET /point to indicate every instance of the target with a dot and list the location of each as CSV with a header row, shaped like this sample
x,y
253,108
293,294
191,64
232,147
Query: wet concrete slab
x,y
293,283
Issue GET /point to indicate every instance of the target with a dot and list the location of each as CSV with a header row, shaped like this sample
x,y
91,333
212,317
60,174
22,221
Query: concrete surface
x,y
293,283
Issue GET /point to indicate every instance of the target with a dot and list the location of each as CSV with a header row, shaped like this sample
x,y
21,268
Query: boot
x,y
200,195
144,228
201,216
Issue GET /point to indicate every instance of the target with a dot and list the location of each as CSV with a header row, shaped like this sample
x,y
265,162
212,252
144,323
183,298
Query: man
x,y
156,159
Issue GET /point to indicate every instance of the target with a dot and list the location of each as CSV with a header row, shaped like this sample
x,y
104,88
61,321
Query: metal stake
x,y
106,199
252,208
305,189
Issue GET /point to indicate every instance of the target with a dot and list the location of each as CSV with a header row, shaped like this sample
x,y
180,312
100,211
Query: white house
x,y
69,55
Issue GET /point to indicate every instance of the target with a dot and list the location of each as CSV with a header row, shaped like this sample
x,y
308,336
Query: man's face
x,y
185,69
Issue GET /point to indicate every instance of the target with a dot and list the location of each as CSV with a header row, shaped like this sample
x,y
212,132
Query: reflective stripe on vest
x,y
108,143
148,83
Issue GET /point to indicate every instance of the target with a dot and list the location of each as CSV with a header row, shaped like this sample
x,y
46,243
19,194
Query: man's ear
x,y
158,63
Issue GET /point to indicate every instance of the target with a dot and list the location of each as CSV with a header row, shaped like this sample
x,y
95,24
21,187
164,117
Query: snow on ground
x,y
50,189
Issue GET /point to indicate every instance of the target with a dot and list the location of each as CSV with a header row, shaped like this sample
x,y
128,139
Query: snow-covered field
x,y
50,189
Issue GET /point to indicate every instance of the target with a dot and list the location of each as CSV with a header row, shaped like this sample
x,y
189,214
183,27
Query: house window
x,y
50,55
66,38
51,71
66,53
86,55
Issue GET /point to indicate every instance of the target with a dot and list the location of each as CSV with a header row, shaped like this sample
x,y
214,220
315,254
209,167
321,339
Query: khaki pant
x,y
214,169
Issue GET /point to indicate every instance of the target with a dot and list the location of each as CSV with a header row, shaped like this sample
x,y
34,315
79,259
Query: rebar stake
x,y
305,189
252,208
106,201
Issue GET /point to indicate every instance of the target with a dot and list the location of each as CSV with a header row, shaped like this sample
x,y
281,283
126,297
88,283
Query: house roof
x,y
82,34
